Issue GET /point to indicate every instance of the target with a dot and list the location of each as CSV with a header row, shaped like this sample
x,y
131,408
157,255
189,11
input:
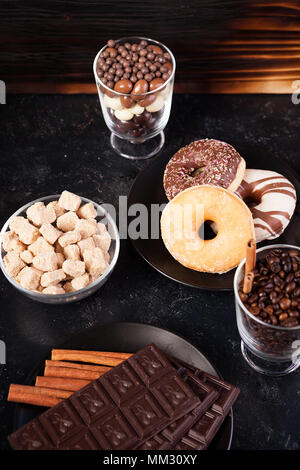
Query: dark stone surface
x,y
49,143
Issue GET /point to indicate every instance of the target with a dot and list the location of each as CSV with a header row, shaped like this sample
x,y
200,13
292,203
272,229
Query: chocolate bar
x,y
120,410
200,435
167,438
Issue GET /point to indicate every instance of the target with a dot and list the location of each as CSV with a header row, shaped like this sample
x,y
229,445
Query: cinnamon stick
x,y
249,266
64,383
36,395
75,365
94,357
51,371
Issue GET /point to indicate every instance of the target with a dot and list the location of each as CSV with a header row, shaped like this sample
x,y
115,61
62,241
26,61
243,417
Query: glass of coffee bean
x,y
268,318
135,78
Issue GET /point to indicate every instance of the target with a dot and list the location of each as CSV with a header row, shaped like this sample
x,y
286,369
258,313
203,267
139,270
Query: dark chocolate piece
x,y
126,406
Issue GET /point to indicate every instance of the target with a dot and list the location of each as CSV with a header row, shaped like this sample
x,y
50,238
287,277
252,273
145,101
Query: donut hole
x,y
252,201
208,230
198,171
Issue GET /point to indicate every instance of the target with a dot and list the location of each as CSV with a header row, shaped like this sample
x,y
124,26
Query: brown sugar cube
x,y
67,221
13,263
11,242
52,278
50,233
39,214
87,228
16,223
27,232
57,209
69,238
95,261
102,241
40,246
60,259
26,256
81,281
45,261
86,244
72,252
69,201
87,211
68,286
74,268
54,290
29,278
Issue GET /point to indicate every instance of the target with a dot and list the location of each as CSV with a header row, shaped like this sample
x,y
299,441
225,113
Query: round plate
x,y
147,189
130,337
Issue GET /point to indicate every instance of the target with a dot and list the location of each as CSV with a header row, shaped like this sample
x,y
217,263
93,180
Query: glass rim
x,y
66,295
236,288
161,87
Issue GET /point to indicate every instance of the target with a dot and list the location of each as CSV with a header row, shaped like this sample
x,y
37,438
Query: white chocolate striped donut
x,y
271,199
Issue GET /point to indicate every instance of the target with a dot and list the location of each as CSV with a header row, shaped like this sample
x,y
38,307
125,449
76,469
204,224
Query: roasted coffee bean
x,y
290,287
285,303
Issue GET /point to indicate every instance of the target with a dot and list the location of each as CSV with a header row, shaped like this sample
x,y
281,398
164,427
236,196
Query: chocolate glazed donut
x,y
271,199
206,161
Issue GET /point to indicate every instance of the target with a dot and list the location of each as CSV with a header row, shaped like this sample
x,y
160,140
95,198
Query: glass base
x,y
137,150
265,366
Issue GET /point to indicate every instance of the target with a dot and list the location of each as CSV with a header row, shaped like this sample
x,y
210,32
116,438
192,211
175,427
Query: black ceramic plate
x,y
148,189
130,337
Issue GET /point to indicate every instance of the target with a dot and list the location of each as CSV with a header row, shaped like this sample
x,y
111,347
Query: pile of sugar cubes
x,y
60,247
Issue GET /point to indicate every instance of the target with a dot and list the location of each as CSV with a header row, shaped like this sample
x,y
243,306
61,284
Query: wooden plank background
x,y
221,46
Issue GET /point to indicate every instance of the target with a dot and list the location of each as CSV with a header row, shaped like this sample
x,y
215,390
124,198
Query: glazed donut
x,y
271,199
183,216
206,161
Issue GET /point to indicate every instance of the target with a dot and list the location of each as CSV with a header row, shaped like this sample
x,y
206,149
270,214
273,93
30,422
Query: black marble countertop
x,y
52,142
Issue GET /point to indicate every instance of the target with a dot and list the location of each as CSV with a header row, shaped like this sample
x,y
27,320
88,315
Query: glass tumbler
x,y
269,349
137,119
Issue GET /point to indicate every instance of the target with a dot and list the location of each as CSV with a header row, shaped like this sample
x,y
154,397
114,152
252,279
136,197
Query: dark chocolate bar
x,y
200,435
121,410
170,435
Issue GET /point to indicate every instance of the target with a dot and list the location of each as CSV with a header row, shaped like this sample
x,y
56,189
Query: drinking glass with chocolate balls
x,y
267,309
134,78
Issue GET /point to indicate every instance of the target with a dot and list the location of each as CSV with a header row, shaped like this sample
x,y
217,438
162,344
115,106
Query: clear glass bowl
x,y
86,291
269,349
136,121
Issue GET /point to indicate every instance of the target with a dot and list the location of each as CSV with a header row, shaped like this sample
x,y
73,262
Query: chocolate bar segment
x,y
120,410
169,436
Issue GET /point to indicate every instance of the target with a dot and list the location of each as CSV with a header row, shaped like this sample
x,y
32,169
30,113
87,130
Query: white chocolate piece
x,y
69,201
52,278
26,256
87,211
95,261
124,114
45,261
156,105
72,252
67,221
69,238
40,246
137,109
112,102
81,281
29,278
39,214
74,268
50,233
54,290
